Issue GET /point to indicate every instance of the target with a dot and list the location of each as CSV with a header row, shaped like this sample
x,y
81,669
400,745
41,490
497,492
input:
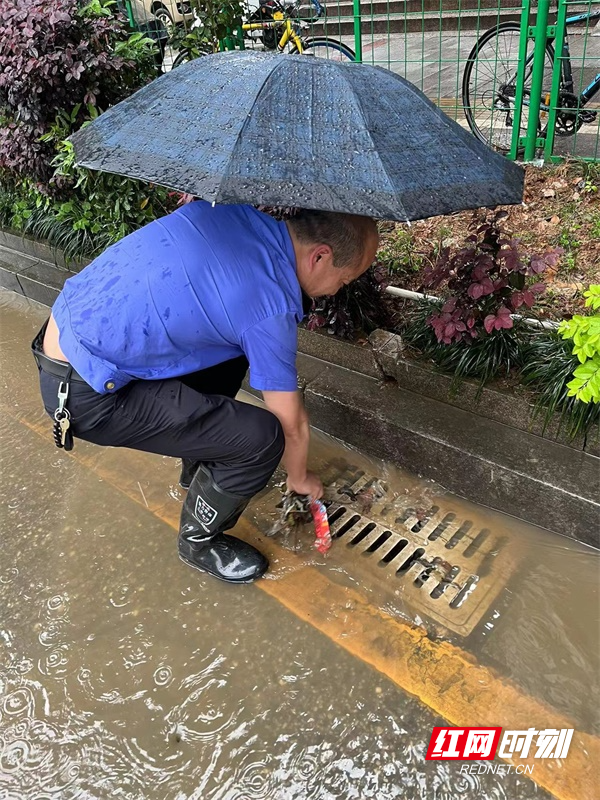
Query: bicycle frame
x,y
566,72
289,32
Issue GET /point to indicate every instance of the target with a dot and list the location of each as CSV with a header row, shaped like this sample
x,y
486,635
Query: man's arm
x,y
289,409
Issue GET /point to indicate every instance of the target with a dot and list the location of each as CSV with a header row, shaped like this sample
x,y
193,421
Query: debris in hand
x,y
322,532
296,511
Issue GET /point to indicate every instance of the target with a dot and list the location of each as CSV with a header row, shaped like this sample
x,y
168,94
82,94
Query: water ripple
x,y
20,701
163,676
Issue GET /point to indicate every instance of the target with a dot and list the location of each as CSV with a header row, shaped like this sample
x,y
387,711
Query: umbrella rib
x,y
368,132
242,129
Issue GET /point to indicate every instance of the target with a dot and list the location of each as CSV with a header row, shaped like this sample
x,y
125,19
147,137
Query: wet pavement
x,y
123,673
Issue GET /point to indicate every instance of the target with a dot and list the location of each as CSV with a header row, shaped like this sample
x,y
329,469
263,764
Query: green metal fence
x,y
574,105
522,75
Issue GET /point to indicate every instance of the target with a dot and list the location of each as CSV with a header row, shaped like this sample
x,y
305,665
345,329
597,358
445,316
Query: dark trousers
x,y
194,417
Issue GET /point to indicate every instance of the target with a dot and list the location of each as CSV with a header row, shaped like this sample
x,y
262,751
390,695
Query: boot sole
x,y
218,577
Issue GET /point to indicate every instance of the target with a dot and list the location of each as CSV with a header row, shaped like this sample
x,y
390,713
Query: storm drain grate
x,y
446,567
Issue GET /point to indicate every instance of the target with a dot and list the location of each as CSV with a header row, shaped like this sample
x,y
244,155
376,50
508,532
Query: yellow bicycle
x,y
276,26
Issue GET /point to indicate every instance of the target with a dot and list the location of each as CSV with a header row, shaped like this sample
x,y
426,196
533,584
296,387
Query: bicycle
x,y
271,20
490,83
280,27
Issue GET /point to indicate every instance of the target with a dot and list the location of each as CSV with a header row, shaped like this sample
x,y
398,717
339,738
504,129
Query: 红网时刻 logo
x,y
480,744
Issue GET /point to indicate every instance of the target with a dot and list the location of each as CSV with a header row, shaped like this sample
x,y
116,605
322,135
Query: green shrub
x,y
56,55
585,334
218,19
475,331
484,282
482,358
548,369
398,254
357,309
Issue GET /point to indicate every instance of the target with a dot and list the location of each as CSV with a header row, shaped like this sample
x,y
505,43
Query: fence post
x,y
556,71
540,32
129,11
518,112
357,30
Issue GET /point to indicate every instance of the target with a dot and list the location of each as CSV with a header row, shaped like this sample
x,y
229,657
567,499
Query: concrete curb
x,y
501,406
33,268
485,451
383,357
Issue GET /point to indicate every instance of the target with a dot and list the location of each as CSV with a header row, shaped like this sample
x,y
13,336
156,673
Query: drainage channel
x,y
446,567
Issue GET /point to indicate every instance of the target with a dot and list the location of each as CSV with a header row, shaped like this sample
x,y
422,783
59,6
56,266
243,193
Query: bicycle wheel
x,y
184,56
489,85
324,47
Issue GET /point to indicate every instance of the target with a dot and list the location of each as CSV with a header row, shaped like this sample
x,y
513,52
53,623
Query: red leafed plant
x,y
489,279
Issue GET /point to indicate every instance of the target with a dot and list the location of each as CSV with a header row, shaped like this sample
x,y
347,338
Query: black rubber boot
x,y
207,512
188,470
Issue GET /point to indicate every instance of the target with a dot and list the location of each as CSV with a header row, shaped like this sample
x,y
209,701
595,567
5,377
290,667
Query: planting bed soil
x,y
561,208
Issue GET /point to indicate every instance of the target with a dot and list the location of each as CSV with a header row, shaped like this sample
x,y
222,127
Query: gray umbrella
x,y
261,128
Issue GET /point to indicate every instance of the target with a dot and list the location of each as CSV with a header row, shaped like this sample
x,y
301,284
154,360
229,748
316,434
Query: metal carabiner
x,y
63,393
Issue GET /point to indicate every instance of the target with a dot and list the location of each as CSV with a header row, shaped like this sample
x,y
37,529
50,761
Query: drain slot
x,y
403,518
441,527
362,534
477,543
424,520
412,559
460,534
379,541
335,515
396,549
467,589
423,577
439,590
346,526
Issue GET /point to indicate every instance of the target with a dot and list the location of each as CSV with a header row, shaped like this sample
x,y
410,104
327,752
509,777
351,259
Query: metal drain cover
x,y
447,567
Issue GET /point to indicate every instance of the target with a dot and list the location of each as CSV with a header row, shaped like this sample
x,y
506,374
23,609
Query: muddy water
x,y
124,673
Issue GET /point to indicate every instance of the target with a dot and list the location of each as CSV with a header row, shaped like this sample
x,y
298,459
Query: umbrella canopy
x,y
262,128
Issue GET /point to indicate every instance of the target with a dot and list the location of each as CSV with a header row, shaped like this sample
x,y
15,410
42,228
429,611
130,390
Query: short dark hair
x,y
344,233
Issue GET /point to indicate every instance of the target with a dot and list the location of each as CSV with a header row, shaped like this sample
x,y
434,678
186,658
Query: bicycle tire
x,y
470,105
184,56
329,44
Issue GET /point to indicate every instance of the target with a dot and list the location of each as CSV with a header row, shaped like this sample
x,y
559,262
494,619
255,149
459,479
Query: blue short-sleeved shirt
x,y
200,286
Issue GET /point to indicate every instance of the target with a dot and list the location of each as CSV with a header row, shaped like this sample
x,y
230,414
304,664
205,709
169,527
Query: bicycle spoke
x,y
489,87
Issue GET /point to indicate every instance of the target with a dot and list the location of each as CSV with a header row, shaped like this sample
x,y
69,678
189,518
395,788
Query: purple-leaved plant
x,y
487,280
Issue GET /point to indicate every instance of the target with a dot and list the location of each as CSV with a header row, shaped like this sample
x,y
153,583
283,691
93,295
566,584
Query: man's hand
x,y
311,486
289,409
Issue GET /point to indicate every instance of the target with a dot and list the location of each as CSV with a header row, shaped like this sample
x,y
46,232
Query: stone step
x,y
419,7
31,268
345,8
385,24
416,16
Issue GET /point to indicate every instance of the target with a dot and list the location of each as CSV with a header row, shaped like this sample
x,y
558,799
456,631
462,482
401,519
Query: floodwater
x,y
126,674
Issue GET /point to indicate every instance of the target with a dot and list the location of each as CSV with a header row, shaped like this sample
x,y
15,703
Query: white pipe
x,y
410,295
